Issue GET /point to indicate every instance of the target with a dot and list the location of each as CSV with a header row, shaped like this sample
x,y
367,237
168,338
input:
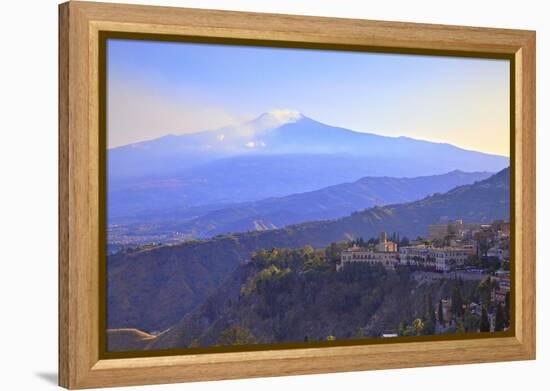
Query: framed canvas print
x,y
248,195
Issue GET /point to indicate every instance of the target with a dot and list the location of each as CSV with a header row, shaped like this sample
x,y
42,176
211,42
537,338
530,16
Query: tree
x,y
429,310
432,315
404,242
308,250
471,322
418,325
460,329
236,335
425,307
440,316
402,330
484,324
507,309
473,260
484,288
482,247
457,301
428,327
499,319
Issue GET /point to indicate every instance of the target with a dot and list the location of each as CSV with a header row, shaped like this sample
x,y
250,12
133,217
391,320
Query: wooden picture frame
x,y
80,201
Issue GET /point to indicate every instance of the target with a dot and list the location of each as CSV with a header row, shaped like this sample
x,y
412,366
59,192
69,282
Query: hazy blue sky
x,y
155,88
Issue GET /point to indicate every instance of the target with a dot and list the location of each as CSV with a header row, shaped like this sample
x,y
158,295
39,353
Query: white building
x,y
447,258
442,259
420,255
388,259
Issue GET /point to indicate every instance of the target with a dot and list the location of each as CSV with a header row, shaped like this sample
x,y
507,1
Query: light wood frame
x,y
79,200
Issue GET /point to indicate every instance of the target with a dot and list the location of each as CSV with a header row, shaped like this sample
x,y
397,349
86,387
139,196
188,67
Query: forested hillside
x,y
298,296
153,288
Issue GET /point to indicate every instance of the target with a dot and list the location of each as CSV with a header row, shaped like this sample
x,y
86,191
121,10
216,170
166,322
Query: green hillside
x,y
297,295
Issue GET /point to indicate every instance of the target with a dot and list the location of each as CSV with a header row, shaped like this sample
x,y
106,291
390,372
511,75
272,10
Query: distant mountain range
x,y
278,154
153,288
276,212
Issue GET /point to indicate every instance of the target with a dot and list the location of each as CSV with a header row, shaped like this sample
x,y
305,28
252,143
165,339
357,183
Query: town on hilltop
x,y
472,252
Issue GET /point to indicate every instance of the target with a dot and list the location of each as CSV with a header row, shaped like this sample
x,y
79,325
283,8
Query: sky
x,y
159,88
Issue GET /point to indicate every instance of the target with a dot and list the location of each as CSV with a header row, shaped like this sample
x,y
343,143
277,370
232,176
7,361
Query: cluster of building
x,y
450,246
491,240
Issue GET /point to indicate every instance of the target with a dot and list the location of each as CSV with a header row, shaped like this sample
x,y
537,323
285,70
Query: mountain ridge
x,y
274,120
274,155
326,203
268,133
151,289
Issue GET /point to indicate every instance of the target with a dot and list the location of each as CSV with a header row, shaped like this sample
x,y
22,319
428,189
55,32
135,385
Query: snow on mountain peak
x,y
251,130
276,118
284,116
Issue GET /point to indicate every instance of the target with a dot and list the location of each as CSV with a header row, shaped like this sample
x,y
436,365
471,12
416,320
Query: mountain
x,y
153,288
172,153
277,154
276,212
